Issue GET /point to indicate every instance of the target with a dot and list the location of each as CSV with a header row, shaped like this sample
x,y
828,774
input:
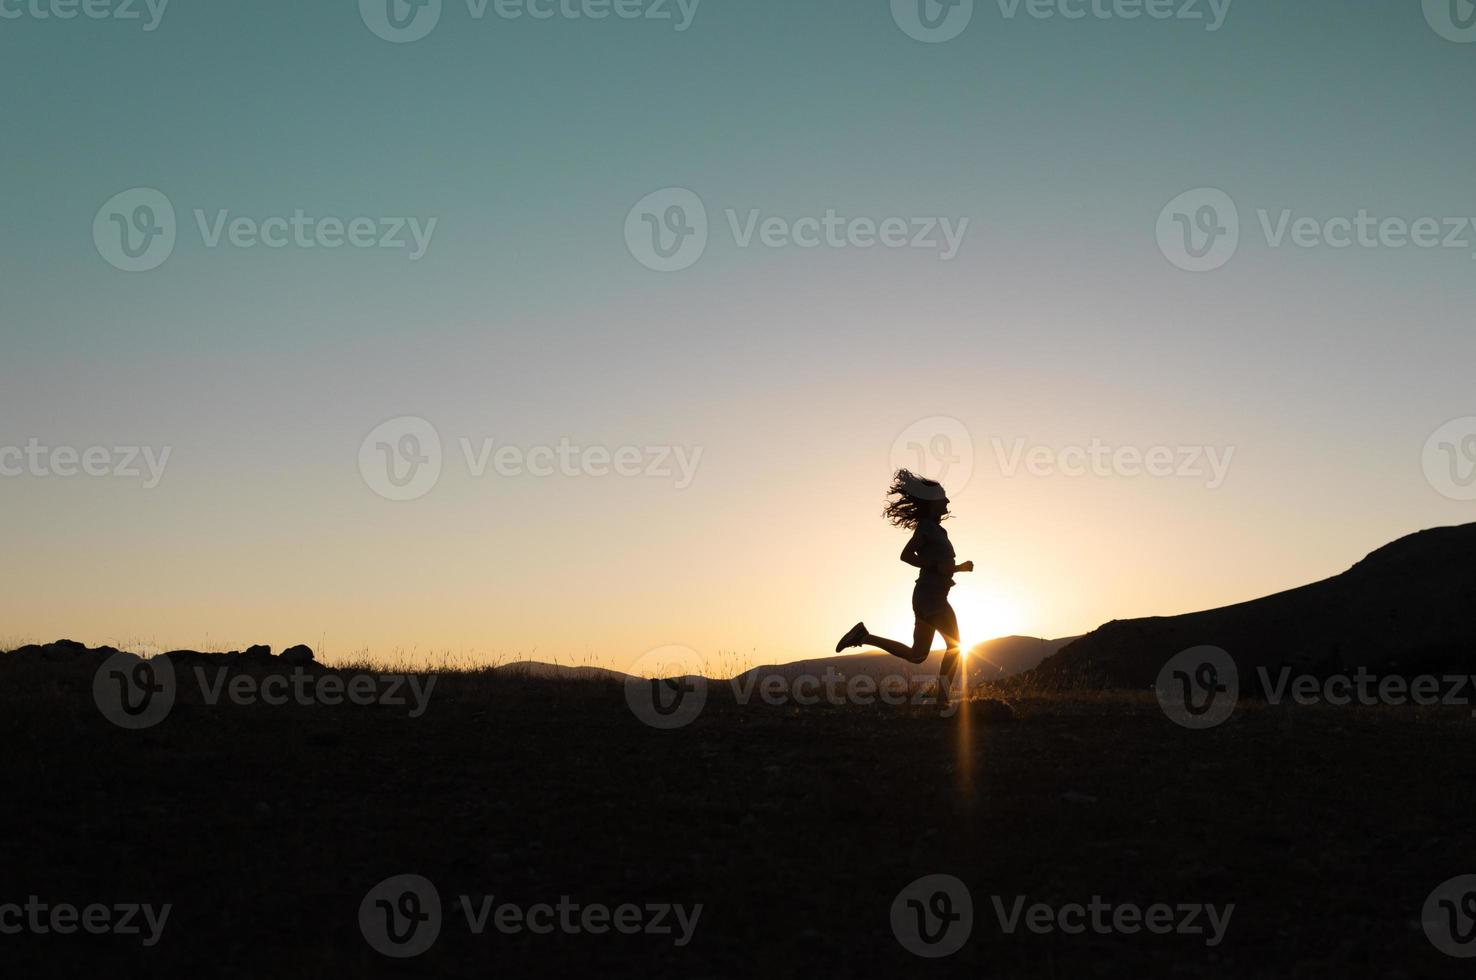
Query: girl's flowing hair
x,y
914,496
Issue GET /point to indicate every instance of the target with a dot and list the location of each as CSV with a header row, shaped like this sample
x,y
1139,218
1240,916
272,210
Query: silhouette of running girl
x,y
921,505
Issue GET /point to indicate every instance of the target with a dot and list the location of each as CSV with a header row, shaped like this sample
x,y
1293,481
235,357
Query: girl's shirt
x,y
931,543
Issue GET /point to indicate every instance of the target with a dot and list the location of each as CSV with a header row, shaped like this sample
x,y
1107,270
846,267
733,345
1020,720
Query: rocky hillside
x,y
1407,608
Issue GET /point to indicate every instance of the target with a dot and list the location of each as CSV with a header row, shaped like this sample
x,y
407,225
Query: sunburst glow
x,y
985,613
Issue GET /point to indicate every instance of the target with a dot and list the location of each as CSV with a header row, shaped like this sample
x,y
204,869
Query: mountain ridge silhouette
x,y
1405,608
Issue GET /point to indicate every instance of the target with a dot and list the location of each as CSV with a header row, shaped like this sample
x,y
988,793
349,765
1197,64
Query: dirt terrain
x,y
794,827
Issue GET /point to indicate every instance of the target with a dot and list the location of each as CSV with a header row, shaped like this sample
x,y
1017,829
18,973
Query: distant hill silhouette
x,y
1407,608
991,660
987,661
540,669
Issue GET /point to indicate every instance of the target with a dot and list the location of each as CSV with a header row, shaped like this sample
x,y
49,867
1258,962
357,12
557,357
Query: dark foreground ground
x,y
793,827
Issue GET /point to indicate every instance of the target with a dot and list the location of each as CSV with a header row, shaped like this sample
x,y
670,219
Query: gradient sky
x,y
795,370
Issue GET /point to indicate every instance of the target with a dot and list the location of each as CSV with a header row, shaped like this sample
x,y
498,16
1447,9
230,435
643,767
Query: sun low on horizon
x,y
984,614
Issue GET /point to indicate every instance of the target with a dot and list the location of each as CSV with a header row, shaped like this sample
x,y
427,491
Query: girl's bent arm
x,y
910,554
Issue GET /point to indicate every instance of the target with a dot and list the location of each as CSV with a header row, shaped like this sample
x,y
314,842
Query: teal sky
x,y
528,320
